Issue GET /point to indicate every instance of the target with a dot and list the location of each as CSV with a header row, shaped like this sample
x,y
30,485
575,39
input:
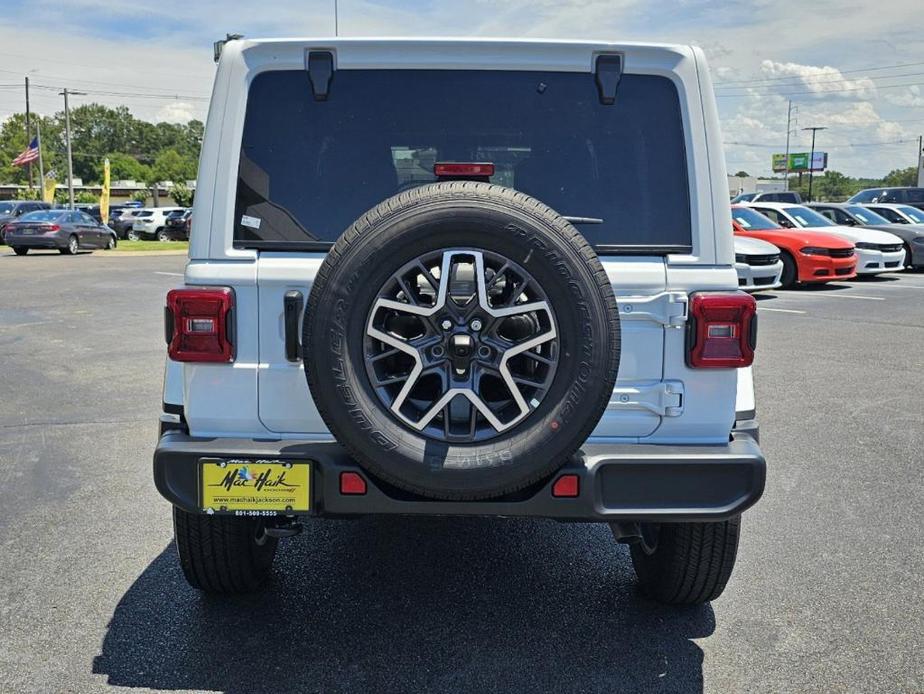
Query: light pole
x,y
70,158
811,165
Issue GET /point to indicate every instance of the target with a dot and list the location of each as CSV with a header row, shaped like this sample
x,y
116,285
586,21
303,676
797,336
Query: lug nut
x,y
437,351
475,324
484,352
446,324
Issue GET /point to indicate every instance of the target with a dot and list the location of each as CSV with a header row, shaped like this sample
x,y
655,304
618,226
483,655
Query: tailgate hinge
x,y
664,398
667,308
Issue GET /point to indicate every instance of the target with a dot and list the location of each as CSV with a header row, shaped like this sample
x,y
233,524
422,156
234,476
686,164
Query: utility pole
x,y
336,20
70,156
38,134
788,132
811,166
920,161
28,130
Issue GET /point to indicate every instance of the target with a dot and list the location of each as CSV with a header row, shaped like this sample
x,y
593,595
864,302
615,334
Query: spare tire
x,y
461,340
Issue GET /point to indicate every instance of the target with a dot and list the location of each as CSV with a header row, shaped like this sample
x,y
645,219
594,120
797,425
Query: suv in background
x,y
776,196
150,223
10,210
905,195
419,305
177,224
122,223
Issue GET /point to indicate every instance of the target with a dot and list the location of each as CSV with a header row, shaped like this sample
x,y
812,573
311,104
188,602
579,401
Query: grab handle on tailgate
x,y
292,304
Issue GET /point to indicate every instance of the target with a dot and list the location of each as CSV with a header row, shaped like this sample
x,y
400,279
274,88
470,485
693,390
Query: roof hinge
x,y
320,67
608,71
667,308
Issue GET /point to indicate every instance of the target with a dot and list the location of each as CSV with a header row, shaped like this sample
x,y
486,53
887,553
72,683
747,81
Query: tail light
x,y
50,227
722,330
199,324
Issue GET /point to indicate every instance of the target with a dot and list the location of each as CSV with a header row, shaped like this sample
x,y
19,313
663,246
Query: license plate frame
x,y
254,487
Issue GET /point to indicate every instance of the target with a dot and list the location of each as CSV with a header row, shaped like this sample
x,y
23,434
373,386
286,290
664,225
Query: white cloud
x,y
912,98
177,112
820,81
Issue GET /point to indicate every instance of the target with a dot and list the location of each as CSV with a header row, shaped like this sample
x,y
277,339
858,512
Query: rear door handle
x,y
292,304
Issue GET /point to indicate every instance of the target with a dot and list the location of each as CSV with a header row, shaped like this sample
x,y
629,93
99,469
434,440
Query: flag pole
x,y
38,134
28,130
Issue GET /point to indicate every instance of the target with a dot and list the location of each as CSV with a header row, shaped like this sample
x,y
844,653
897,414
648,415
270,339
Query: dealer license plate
x,y
254,487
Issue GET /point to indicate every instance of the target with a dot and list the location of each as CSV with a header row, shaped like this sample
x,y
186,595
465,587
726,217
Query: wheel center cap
x,y
461,349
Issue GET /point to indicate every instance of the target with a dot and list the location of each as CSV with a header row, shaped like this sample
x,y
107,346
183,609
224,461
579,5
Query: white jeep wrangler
x,y
461,277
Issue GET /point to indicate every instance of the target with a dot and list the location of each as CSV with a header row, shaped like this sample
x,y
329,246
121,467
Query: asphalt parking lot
x,y
828,594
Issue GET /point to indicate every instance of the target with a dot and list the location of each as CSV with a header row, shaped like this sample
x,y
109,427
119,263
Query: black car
x,y
10,210
68,231
905,195
853,215
176,224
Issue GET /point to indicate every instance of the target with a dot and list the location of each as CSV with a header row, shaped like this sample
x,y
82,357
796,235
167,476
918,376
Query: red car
x,y
808,256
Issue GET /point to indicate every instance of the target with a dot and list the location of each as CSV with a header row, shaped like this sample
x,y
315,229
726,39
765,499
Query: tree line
x,y
834,186
137,150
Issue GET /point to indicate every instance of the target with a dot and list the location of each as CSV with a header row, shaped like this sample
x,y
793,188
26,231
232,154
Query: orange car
x,y
808,256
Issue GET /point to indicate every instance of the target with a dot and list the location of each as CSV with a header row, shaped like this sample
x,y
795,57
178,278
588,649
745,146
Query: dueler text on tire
x,y
461,339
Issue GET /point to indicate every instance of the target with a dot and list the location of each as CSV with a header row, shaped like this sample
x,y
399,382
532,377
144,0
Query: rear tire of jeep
x,y
496,237
686,563
223,554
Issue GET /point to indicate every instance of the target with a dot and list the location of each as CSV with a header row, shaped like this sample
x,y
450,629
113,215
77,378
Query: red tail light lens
x,y
722,330
352,483
443,168
200,325
51,227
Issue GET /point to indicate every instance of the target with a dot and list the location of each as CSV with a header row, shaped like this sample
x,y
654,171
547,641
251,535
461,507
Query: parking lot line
x,y
171,274
830,295
778,310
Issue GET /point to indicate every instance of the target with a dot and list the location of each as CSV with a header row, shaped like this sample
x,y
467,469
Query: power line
x,y
768,87
818,92
857,144
843,72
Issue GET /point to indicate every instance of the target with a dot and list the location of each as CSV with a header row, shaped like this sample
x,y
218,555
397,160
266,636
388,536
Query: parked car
x,y
877,251
10,210
122,224
65,230
905,195
896,213
150,223
775,196
461,342
850,214
757,263
177,224
808,257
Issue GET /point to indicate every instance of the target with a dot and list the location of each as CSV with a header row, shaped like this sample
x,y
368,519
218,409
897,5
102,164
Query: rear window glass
x,y
41,216
309,168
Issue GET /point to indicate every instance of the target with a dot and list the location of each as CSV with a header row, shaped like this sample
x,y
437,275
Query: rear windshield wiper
x,y
584,220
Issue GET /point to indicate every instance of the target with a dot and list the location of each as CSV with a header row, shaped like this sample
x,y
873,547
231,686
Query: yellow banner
x,y
104,195
48,188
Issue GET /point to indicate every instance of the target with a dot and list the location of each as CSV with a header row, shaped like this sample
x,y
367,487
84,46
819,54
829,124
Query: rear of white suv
x,y
467,189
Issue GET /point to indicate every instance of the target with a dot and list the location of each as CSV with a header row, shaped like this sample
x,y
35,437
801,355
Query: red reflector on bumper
x,y
453,168
567,486
352,483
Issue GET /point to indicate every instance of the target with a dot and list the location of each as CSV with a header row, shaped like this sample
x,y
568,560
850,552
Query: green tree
x,y
141,196
124,167
743,174
182,195
86,196
170,165
901,177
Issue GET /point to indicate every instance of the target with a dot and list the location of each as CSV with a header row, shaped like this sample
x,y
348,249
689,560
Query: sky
x,y
852,66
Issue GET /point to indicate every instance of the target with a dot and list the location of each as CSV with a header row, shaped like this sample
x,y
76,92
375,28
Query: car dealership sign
x,y
800,162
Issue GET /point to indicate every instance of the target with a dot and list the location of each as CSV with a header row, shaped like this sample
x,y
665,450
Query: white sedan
x,y
877,251
758,264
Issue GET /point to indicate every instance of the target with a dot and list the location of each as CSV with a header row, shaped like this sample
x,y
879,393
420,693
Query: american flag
x,y
29,154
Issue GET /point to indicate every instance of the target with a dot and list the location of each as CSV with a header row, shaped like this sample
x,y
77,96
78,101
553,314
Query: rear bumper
x,y
617,481
36,241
